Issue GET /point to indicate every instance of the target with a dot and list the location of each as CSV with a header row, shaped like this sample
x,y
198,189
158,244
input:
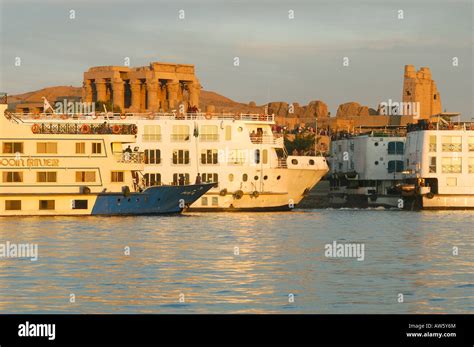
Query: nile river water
x,y
241,263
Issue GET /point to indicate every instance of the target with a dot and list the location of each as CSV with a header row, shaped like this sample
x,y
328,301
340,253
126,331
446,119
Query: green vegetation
x,y
302,143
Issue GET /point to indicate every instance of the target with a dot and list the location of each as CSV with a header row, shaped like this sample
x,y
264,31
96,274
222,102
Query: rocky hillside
x,y
286,114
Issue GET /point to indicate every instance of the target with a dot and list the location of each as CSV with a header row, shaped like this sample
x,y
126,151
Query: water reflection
x,y
192,257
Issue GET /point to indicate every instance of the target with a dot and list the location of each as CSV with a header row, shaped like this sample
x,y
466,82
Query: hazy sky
x,y
281,59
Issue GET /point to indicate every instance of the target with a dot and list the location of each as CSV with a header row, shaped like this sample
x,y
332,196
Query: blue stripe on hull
x,y
154,200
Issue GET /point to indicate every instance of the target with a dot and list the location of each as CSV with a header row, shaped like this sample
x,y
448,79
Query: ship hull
x,y
153,201
297,182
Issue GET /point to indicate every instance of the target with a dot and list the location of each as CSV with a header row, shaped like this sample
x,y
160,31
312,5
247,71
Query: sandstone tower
x,y
159,87
419,87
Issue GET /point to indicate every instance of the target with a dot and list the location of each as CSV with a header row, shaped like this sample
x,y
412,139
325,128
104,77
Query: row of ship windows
x,y
49,147
154,179
450,165
206,133
45,205
152,156
208,156
451,144
52,176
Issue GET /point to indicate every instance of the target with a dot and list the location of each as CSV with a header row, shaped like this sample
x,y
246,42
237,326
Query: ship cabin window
x,y
395,166
180,178
47,204
452,144
432,168
228,133
80,148
210,177
470,165
47,147
209,156
151,133
46,176
265,156
209,133
180,133
257,156
204,201
231,177
181,156
432,147
245,177
85,176
117,176
152,156
451,181
152,179
96,148
451,165
80,204
12,147
12,205
215,201
470,142
12,176
395,147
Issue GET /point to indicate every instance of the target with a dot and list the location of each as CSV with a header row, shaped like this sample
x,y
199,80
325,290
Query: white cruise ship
x,y
440,164
367,167
75,165
238,152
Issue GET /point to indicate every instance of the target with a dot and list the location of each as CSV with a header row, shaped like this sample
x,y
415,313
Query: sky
x,y
295,59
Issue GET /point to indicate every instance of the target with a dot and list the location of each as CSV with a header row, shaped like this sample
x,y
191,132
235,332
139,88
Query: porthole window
x,y
311,162
294,162
245,177
278,177
240,129
255,178
376,144
265,177
376,162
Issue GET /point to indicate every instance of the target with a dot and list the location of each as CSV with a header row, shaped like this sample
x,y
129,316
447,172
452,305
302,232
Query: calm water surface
x,y
192,256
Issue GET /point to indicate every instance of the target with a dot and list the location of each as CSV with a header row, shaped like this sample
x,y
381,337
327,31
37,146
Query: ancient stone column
x,y
118,92
87,91
194,91
172,86
142,97
152,92
135,89
100,87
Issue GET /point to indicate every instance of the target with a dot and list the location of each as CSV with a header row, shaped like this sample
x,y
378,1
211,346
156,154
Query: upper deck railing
x,y
109,116
130,157
440,126
275,139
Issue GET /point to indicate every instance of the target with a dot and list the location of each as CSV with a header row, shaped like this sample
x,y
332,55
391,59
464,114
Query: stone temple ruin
x,y
159,87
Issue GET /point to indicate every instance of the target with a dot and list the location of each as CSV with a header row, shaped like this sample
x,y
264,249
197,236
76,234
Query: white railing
x,y
127,116
276,139
130,157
